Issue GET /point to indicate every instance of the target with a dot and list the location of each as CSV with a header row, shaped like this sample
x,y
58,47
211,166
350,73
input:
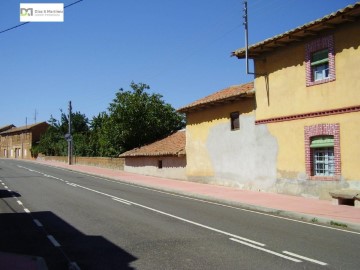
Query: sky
x,y
180,48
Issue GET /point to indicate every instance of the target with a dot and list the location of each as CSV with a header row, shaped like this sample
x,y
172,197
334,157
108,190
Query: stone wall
x,y
105,162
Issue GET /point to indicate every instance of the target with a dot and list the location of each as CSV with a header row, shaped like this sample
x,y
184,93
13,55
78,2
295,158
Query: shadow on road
x,y
19,234
8,194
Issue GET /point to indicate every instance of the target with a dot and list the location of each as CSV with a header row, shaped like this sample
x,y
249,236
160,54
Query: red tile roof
x,y
350,13
173,145
231,93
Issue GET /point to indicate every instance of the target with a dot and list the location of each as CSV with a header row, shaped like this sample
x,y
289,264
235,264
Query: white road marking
x,y
27,210
74,266
38,223
304,258
265,250
53,241
19,202
122,201
6,187
71,184
122,182
176,217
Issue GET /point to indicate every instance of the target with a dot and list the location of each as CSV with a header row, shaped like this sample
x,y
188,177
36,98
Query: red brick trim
x,y
317,45
318,130
308,115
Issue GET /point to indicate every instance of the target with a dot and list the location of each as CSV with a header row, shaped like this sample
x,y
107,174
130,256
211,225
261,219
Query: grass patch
x,y
338,224
314,220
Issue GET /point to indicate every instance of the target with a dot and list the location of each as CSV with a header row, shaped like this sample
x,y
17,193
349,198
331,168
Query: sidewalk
x,y
306,209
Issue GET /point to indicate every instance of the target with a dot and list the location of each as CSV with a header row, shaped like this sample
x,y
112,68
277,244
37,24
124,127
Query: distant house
x,y
163,158
16,142
4,128
223,145
307,83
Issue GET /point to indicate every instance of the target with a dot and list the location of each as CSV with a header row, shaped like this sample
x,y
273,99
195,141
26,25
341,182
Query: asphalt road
x,y
89,222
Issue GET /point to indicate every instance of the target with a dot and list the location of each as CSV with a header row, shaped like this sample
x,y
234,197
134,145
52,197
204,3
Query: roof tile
x,y
229,93
173,145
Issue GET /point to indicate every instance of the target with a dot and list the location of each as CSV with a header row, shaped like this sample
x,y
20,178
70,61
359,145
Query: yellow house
x,y
223,145
307,84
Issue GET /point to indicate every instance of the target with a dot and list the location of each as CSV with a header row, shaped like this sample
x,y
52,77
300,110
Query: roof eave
x,y
205,105
350,13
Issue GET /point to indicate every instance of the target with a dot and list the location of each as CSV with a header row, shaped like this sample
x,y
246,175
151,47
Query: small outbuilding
x,y
163,158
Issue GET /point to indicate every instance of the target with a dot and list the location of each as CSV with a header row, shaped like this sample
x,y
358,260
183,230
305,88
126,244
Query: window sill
x,y
325,178
312,83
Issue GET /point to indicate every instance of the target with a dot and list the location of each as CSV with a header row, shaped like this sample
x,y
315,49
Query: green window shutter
x,y
320,57
323,141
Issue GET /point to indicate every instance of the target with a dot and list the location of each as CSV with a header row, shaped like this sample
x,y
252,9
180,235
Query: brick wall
x,y
104,162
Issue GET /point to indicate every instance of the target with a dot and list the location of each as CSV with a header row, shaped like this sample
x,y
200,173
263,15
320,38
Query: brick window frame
x,y
314,46
322,130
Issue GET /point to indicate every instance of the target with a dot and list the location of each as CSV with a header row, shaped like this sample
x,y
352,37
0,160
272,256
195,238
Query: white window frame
x,y
324,161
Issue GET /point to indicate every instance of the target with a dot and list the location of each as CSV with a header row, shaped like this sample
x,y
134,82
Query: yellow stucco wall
x,y
285,92
291,154
198,126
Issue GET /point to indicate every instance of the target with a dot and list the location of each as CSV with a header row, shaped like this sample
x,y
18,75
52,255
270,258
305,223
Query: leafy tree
x,y
53,143
97,141
137,118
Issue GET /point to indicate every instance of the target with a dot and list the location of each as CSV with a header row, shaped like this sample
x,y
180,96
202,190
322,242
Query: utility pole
x,y
245,23
68,137
35,115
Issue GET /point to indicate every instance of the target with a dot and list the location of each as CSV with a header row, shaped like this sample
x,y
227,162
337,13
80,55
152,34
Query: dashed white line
x,y
6,187
122,201
38,223
304,258
53,241
27,210
19,202
265,250
71,184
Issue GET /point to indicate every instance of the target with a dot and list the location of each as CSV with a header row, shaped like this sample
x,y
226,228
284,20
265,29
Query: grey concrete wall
x,y
172,167
245,158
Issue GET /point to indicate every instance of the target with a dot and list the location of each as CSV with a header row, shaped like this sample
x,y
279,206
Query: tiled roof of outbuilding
x,y
173,145
231,93
350,13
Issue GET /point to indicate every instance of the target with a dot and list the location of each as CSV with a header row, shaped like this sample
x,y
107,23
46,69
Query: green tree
x,y
53,143
137,118
97,140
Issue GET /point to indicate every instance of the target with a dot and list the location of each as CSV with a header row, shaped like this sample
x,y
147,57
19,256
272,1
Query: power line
x,y
21,24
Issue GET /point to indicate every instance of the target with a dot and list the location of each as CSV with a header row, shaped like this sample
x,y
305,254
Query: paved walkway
x,y
307,209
